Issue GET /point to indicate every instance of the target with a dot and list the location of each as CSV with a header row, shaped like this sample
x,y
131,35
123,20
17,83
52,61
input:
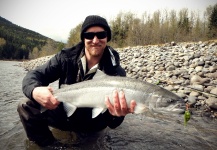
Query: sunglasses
x,y
91,35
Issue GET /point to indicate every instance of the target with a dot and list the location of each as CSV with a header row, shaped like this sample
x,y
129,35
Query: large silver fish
x,y
92,94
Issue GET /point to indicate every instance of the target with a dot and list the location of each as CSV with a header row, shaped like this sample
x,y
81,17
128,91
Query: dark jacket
x,y
65,67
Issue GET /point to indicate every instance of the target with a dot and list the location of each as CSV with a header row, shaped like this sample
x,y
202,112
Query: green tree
x,y
35,53
2,43
164,36
74,36
184,24
136,33
17,42
213,22
120,27
158,27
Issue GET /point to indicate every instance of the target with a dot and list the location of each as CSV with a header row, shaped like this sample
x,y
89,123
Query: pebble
x,y
192,100
212,102
214,91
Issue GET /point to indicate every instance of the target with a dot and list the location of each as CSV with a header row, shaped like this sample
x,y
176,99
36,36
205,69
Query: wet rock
x,y
181,94
171,68
192,100
214,91
208,89
212,75
198,68
212,102
201,63
193,93
196,79
197,87
169,88
213,68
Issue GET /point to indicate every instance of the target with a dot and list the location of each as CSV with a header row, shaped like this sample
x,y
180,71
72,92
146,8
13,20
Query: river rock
x,y
198,68
212,75
196,79
197,87
214,91
213,68
212,102
193,93
192,100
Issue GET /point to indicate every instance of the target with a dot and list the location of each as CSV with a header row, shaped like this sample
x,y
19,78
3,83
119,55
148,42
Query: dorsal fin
x,y
99,75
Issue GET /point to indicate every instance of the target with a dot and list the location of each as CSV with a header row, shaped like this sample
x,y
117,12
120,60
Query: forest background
x,y
127,30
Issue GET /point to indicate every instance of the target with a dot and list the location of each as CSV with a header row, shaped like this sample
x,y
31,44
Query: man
x,y
73,65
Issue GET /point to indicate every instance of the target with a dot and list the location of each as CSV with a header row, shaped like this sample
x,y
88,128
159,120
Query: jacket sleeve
x,y
42,76
113,121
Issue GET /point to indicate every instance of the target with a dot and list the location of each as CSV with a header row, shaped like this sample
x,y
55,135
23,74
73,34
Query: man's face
x,y
95,47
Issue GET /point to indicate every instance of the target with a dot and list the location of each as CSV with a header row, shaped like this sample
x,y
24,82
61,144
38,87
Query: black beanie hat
x,y
94,20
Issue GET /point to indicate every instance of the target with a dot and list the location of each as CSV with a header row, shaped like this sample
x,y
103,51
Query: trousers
x,y
36,123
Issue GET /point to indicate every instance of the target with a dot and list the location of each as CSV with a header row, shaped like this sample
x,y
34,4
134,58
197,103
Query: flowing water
x,y
147,131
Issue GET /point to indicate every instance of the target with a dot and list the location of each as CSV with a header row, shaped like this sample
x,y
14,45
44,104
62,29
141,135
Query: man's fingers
x,y
117,105
46,103
50,89
107,102
116,100
54,101
109,105
123,102
132,106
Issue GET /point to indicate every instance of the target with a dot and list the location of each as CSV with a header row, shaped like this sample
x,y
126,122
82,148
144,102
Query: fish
x,y
91,94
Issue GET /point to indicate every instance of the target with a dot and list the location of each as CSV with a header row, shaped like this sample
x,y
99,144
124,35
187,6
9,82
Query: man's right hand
x,y
44,96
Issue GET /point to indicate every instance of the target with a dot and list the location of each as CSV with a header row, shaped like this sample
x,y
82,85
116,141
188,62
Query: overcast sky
x,y
55,18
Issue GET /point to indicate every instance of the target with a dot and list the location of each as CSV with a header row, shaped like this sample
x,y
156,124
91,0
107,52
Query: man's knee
x,y
27,108
21,104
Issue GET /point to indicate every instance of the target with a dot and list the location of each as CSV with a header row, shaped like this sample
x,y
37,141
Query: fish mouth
x,y
176,108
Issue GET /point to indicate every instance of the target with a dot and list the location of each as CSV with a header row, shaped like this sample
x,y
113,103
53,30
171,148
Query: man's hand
x,y
44,96
120,107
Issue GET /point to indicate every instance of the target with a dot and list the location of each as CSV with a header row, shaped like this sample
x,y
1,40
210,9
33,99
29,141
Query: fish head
x,y
167,102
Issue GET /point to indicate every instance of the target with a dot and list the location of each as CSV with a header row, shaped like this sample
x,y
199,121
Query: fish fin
x,y
69,109
104,110
43,109
140,108
63,86
99,74
96,111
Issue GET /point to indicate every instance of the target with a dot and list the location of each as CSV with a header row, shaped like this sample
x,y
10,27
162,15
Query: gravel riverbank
x,y
187,69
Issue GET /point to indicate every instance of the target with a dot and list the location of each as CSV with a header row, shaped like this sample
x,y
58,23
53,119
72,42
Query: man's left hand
x,y
119,107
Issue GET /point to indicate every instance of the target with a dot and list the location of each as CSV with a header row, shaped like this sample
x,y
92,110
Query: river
x,y
147,131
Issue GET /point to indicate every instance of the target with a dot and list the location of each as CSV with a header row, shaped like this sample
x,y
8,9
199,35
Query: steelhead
x,y
91,93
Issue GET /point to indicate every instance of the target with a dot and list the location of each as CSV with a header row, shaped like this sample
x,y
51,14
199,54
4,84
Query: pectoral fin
x,y
99,75
69,109
97,111
43,109
140,108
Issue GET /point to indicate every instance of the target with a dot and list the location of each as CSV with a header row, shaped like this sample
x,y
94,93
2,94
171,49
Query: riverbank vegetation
x,y
159,27
19,43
